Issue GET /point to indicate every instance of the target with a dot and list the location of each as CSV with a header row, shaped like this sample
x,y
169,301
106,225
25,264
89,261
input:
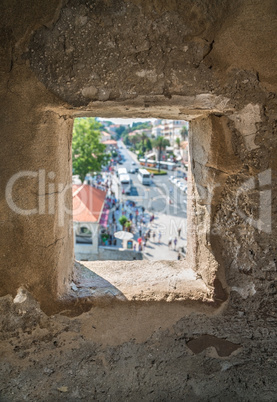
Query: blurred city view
x,y
130,189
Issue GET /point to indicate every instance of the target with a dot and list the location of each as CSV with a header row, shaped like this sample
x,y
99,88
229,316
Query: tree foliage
x,y
143,137
124,131
148,144
141,125
123,220
160,143
184,133
88,154
119,131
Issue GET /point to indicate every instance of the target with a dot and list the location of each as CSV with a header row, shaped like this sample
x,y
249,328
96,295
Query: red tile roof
x,y
88,203
109,142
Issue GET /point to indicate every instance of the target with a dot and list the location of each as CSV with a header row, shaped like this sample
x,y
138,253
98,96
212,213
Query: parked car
x,y
132,171
183,188
177,182
180,174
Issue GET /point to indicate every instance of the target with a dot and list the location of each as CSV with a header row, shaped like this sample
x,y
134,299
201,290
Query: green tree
x,y
149,144
178,142
126,140
119,131
123,220
133,139
143,137
184,133
160,143
88,154
141,125
128,226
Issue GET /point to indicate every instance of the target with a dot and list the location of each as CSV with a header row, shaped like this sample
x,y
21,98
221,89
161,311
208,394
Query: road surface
x,y
166,202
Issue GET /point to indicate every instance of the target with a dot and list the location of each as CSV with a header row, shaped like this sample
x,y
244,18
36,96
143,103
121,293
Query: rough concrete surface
x,y
140,280
133,352
213,62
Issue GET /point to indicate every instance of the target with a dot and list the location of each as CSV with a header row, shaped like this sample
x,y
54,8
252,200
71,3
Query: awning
x,y
104,217
149,155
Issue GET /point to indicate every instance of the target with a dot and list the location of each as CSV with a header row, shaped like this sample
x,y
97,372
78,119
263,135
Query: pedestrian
x,y
154,236
175,243
140,247
169,242
179,256
159,236
135,247
179,232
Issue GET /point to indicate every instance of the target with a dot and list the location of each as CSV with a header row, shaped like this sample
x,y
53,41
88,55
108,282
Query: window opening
x,y
84,235
130,185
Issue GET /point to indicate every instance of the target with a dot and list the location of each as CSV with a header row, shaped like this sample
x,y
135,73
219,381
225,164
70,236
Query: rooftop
x,y
88,203
109,142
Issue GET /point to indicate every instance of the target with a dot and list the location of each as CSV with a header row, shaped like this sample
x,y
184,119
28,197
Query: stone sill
x,y
105,282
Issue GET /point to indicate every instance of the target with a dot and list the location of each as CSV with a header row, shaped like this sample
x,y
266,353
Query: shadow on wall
x,y
87,283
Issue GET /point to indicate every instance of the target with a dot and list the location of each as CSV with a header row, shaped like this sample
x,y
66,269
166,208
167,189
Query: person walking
x,y
175,243
159,236
154,236
179,232
169,242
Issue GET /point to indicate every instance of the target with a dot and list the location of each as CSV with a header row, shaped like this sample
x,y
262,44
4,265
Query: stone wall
x,y
211,62
109,253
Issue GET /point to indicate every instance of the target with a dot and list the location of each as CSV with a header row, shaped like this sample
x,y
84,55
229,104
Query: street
x,y
165,201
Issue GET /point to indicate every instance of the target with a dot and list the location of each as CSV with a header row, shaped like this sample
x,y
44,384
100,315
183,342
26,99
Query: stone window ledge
x,y
105,282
